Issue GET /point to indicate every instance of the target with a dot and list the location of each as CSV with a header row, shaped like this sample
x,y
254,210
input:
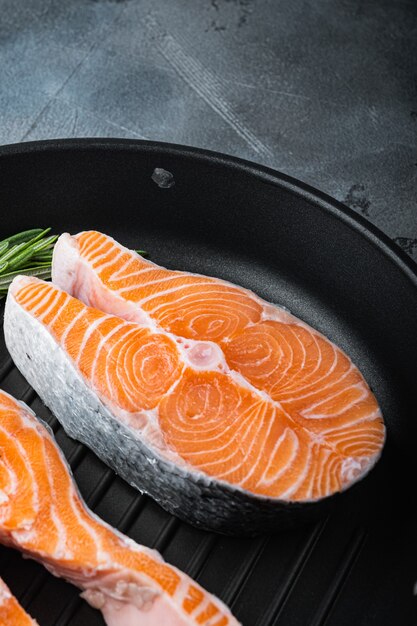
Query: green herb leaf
x,y
3,246
22,237
30,253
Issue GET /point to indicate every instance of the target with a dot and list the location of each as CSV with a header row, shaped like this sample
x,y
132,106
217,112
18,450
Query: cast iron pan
x,y
293,246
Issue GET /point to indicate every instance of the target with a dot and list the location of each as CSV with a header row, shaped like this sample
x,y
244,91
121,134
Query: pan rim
x,y
320,199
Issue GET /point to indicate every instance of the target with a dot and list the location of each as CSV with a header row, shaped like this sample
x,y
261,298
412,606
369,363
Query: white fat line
x,y
370,439
137,273
70,496
159,294
93,327
97,261
27,462
367,439
311,378
175,383
329,443
288,432
330,381
291,359
166,279
57,314
367,450
75,498
302,349
106,251
70,326
358,387
34,300
309,414
118,274
371,417
308,387
207,600
132,253
263,439
112,261
105,337
183,426
321,463
28,288
278,370
328,483
129,386
245,426
89,241
112,362
112,286
327,384
96,250
301,477
332,469
44,296
61,550
264,360
212,290
332,368
143,270
238,378
311,480
203,606
181,591
131,381
308,484
92,244
54,300
131,355
367,447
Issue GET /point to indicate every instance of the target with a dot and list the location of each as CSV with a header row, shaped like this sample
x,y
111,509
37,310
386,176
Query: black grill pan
x,y
293,246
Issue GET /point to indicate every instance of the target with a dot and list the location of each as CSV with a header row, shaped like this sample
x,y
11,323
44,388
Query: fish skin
x,y
11,613
129,583
193,496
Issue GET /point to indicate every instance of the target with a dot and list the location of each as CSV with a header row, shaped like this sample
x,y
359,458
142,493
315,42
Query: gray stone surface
x,y
324,90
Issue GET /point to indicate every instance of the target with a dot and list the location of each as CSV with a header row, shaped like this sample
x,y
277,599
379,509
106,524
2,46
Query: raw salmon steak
x,y
43,516
176,419
11,613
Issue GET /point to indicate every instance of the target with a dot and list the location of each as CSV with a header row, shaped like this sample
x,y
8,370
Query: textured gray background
x,y
324,90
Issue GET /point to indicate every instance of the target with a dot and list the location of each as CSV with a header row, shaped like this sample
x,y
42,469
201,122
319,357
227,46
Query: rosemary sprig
x,y
30,253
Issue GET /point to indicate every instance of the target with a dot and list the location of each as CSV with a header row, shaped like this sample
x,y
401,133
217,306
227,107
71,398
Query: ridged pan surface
x,y
297,248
